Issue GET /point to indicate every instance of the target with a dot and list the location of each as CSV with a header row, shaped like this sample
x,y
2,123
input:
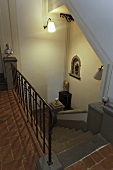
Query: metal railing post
x,y
49,140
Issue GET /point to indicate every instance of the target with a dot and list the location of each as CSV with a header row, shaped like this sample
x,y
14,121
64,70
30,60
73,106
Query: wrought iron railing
x,y
38,112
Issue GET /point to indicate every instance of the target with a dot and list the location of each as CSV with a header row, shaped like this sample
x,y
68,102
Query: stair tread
x,y
72,142
79,151
62,133
58,129
66,137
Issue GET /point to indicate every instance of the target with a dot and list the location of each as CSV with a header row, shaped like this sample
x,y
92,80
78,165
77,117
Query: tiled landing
x,y
18,146
101,159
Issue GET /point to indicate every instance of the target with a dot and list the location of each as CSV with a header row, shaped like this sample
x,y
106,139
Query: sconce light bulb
x,y
51,26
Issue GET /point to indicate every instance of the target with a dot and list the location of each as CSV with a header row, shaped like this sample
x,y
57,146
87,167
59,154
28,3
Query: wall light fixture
x,y
50,25
98,74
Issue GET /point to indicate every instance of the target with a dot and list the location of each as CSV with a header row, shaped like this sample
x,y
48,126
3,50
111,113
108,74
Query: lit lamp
x,y
98,74
50,25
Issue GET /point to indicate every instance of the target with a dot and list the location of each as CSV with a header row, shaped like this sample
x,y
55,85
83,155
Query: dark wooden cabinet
x,y
65,99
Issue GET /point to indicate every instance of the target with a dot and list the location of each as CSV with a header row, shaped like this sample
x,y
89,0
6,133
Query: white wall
x,y
1,69
42,53
5,32
87,89
95,20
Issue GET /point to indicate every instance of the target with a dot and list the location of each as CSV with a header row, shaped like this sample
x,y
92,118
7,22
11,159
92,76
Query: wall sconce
x,y
98,74
50,25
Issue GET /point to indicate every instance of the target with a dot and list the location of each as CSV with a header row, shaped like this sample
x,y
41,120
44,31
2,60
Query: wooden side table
x,y
56,107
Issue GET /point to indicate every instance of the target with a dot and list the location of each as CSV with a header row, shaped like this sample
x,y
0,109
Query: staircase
x,y
71,145
3,84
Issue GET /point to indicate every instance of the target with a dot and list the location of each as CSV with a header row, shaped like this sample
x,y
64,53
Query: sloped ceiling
x,y
61,9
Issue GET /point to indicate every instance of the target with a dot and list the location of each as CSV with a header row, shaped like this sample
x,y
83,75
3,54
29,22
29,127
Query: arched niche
x,y
75,67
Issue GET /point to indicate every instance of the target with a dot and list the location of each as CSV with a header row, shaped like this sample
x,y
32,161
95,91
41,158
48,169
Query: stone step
x,y
72,142
81,150
66,137
62,133
55,130
3,86
58,129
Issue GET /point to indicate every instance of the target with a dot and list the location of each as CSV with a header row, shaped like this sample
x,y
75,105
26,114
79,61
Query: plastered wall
x,y
42,53
87,89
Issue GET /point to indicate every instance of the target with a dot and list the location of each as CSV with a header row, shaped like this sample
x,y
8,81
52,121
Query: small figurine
x,y
66,86
8,51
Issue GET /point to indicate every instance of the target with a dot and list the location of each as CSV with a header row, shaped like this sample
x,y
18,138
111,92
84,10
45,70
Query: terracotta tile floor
x,y
19,149
101,159
18,146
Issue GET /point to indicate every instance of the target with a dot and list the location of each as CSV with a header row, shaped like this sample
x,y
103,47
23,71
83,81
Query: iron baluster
x,y
30,105
41,118
16,81
15,78
49,139
43,127
19,89
18,84
34,108
26,98
36,116
25,94
22,85
31,111
13,70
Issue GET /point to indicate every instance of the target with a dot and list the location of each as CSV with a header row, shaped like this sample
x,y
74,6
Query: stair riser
x,y
2,80
3,87
1,75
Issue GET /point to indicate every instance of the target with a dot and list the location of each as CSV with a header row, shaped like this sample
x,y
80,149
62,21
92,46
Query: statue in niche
x,y
75,67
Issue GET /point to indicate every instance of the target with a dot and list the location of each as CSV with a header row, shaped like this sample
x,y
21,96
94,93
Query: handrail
x,y
38,112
